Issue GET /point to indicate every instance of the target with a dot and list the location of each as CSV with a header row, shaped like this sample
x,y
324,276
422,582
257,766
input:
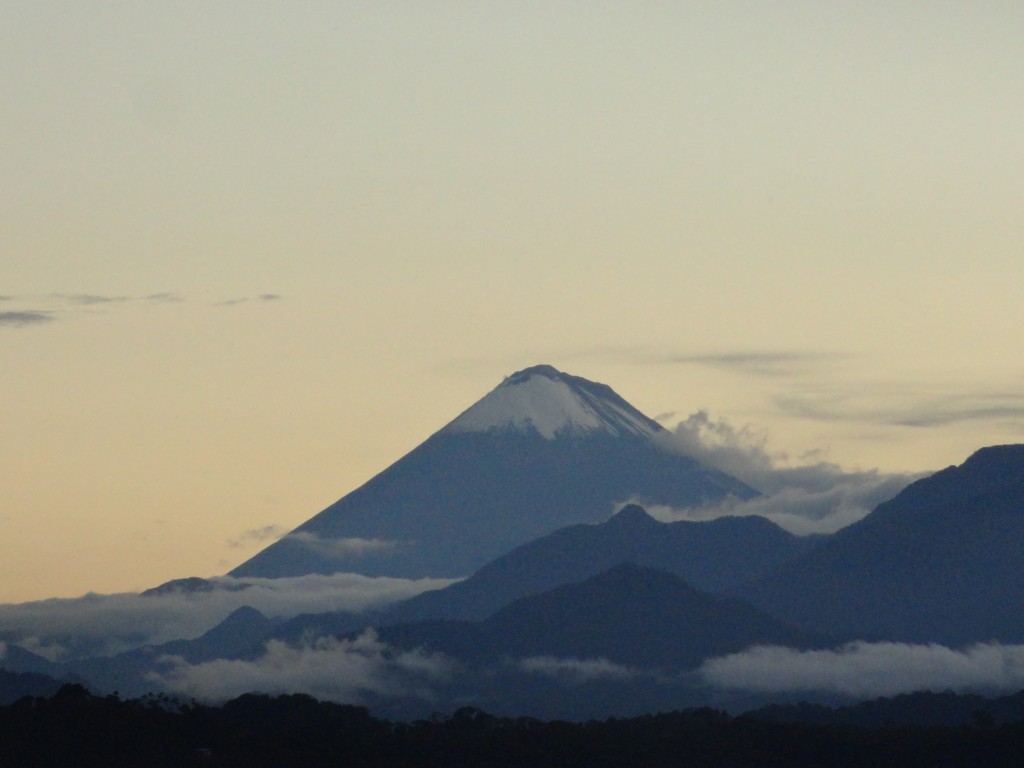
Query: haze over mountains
x,y
579,604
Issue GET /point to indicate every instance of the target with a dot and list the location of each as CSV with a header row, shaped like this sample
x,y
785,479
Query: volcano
x,y
543,450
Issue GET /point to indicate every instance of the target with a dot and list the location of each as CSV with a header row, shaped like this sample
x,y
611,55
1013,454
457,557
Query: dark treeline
x,y
76,728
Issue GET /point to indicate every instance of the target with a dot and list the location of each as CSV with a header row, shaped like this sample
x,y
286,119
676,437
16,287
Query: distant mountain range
x,y
544,450
714,556
641,627
571,610
628,614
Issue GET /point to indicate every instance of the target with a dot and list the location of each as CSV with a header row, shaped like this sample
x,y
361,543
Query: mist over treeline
x,y
74,727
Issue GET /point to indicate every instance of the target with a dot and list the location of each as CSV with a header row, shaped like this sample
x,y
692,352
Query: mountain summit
x,y
553,404
541,451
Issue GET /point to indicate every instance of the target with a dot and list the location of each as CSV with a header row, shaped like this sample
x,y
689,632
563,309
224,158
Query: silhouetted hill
x,y
76,728
240,633
15,685
940,562
924,708
14,658
629,615
712,556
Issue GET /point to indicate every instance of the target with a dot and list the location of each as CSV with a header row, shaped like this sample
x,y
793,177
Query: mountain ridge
x,y
940,562
713,555
627,614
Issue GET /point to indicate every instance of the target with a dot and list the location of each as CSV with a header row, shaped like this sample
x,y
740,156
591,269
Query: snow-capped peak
x,y
553,404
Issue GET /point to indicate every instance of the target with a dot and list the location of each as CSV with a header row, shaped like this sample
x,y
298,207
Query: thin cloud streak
x,y
892,404
255,536
342,547
88,299
24,318
263,297
163,298
914,411
60,302
574,672
756,363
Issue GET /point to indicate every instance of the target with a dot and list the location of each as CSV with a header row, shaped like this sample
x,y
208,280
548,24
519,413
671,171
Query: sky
x,y
253,253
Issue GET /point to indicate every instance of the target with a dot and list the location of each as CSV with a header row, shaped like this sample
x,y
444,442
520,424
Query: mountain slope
x,y
542,451
713,556
943,561
241,632
628,615
14,658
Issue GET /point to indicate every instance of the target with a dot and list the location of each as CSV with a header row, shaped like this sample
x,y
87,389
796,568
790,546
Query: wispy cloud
x,y
89,299
751,362
864,669
328,668
24,318
163,298
255,536
263,297
42,307
576,671
805,496
905,406
342,547
756,363
815,390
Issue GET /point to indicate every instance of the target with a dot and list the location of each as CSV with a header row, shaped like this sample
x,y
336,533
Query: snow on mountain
x,y
544,400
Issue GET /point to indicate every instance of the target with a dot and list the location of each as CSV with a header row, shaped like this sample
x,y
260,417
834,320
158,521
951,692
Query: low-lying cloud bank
x,y
864,670
350,670
573,671
332,669
353,670
101,625
804,498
